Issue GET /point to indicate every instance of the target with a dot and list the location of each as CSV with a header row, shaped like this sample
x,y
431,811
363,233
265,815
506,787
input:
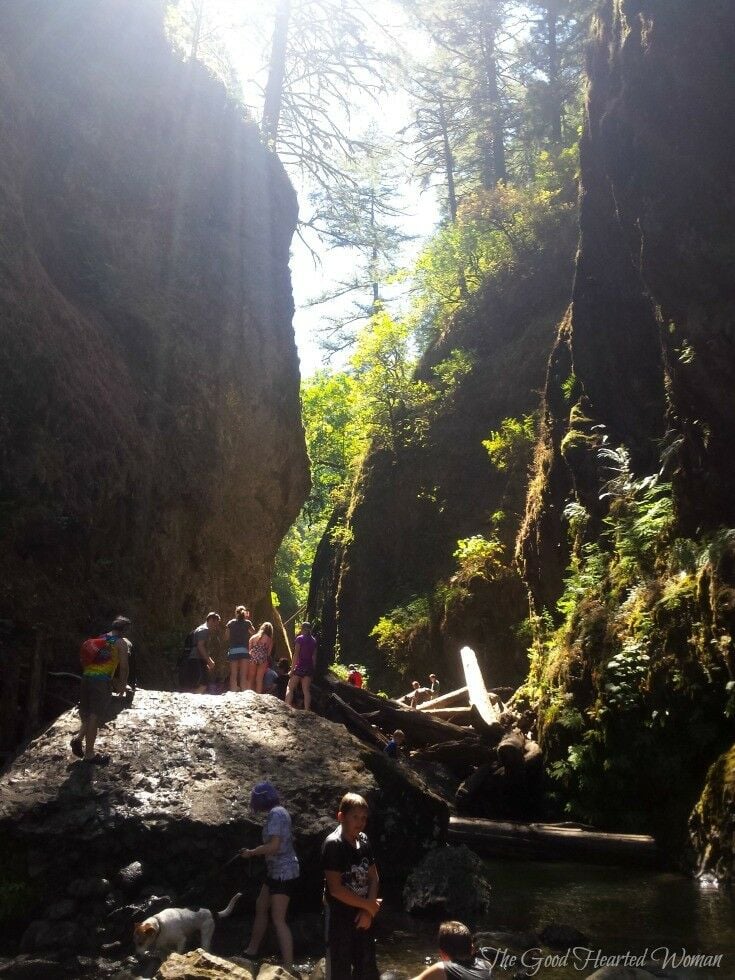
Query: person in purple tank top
x,y
303,666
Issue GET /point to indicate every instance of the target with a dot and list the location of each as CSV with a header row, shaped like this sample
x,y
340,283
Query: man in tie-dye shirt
x,y
96,690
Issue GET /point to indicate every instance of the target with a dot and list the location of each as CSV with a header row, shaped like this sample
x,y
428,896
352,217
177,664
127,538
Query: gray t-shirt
x,y
199,634
283,864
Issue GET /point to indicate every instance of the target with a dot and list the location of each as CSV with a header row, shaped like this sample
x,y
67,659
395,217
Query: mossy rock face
x,y
712,824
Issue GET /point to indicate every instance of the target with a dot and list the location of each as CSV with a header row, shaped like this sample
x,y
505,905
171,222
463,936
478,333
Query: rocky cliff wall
x,y
651,332
407,514
647,353
152,449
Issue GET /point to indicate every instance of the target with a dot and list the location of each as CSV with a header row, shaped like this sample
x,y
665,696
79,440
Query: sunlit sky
x,y
245,27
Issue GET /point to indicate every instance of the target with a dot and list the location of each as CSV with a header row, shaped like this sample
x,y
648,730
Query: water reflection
x,y
618,910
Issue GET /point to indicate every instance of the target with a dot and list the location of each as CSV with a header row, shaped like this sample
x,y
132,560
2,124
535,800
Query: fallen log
x,y
476,689
459,695
460,709
355,723
533,758
420,729
511,749
546,841
460,756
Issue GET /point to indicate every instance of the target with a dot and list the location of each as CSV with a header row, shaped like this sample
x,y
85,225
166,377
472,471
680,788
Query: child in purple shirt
x,y
304,664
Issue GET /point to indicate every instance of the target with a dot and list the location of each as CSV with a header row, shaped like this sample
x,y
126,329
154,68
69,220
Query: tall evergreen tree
x,y
550,68
361,214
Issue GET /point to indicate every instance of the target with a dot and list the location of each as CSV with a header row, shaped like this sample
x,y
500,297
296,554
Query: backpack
x,y
183,659
186,652
91,651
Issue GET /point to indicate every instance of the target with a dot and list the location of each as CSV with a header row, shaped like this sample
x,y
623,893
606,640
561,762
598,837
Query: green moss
x,y
576,443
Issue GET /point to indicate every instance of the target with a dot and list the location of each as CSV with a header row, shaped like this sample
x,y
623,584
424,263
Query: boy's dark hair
x,y
351,801
283,663
455,939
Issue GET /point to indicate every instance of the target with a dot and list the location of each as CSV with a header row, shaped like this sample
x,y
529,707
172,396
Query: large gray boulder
x,y
171,810
448,882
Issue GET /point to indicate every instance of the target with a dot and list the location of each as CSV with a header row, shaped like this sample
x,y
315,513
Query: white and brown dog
x,y
171,929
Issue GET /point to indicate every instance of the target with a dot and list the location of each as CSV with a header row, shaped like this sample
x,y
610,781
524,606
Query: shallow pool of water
x,y
618,910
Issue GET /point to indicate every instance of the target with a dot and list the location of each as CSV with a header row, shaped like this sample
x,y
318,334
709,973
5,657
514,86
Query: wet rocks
x,y
712,823
200,965
559,935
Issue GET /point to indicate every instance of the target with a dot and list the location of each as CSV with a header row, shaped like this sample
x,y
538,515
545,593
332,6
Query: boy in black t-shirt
x,y
351,894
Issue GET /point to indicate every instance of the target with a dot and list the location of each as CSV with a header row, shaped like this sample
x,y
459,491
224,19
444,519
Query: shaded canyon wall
x,y
152,449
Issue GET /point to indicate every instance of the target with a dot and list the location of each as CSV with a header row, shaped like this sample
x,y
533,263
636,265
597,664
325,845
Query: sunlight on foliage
x,y
478,556
397,630
511,443
494,231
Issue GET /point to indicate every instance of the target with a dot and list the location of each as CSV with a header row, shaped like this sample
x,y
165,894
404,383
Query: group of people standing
x,y
249,655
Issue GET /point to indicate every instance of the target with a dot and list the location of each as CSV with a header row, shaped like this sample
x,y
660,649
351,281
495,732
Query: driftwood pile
x,y
498,768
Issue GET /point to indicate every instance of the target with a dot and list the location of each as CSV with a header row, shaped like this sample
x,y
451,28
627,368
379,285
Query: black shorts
x,y
192,673
95,698
281,886
350,951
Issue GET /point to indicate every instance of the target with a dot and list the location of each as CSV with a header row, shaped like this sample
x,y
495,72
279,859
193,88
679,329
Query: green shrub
x,y
478,556
511,444
397,631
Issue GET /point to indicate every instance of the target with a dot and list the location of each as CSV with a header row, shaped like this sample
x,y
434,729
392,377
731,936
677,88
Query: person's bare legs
x,y
293,683
306,688
242,674
262,904
250,676
90,735
259,677
234,664
279,908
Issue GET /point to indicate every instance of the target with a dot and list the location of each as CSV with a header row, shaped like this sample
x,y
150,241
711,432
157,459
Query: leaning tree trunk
x,y
552,27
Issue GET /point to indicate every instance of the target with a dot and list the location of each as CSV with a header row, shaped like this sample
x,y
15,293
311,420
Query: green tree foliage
x,y
478,556
395,407
511,443
470,38
549,70
198,29
377,401
495,233
402,630
335,441
334,437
